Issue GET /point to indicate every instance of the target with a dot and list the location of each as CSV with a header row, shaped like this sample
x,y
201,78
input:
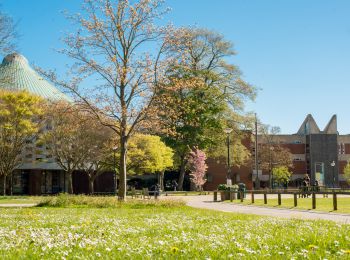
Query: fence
x,y
296,193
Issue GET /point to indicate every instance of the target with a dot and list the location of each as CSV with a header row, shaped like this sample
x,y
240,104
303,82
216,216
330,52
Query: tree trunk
x,y
182,173
70,182
4,191
122,168
11,187
91,186
161,180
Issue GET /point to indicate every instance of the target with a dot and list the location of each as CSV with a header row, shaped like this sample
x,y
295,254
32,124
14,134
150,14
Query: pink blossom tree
x,y
198,167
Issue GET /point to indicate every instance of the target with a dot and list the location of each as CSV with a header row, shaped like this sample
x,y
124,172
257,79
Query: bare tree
x,y
271,153
98,150
8,33
72,137
109,51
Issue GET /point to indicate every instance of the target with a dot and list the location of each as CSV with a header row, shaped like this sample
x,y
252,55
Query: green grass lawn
x,y
322,204
161,230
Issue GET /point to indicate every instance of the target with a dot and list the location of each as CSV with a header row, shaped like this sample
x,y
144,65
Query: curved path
x,y
16,205
206,202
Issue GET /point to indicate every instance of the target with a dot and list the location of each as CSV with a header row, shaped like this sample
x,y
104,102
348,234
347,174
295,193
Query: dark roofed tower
x,y
321,151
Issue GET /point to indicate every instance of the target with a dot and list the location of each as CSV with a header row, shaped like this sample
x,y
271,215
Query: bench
x,y
135,193
146,193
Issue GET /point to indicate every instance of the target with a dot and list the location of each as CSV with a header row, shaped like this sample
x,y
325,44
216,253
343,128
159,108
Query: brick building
x,y
320,154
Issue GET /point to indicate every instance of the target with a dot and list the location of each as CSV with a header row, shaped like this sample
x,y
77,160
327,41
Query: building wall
x,y
217,172
306,151
102,184
324,149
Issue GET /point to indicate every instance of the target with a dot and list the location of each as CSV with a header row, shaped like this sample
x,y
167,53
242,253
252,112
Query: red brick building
x,y
320,154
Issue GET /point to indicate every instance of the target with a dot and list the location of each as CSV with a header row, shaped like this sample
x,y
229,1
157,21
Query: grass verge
x,y
322,204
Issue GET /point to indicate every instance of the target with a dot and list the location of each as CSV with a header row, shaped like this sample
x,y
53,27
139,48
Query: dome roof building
x,y
38,171
17,75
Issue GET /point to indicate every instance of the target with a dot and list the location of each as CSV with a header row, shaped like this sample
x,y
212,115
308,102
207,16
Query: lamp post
x,y
115,148
333,166
257,181
228,177
271,150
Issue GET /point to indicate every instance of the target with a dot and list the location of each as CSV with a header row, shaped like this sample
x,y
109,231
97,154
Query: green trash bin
x,y
241,188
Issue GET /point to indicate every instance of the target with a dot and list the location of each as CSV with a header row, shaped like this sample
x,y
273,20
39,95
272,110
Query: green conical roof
x,y
17,75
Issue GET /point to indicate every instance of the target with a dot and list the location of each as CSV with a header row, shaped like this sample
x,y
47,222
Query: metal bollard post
x,y
313,200
335,203
279,198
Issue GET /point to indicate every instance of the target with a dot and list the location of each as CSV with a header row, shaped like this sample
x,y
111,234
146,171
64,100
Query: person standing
x,y
174,185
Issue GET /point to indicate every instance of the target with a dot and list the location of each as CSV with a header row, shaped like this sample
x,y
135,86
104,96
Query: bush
x,y
222,187
67,200
225,187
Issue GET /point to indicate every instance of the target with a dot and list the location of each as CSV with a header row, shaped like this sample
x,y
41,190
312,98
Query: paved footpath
x,y
16,205
206,202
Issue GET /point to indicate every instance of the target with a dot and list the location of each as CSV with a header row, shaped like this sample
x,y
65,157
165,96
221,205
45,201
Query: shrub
x,y
66,200
224,187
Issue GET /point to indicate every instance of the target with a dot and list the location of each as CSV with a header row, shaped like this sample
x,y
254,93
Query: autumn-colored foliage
x,y
76,140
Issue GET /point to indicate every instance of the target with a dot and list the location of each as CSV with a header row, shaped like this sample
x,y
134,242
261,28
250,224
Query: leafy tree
x,y
20,121
191,118
200,89
110,49
281,175
197,167
239,154
148,154
206,53
347,172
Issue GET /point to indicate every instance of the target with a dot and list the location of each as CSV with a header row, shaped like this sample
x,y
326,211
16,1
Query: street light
x,y
115,148
333,166
228,177
257,181
271,150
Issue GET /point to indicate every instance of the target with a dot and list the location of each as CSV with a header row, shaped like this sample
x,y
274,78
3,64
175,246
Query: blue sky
x,y
296,52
